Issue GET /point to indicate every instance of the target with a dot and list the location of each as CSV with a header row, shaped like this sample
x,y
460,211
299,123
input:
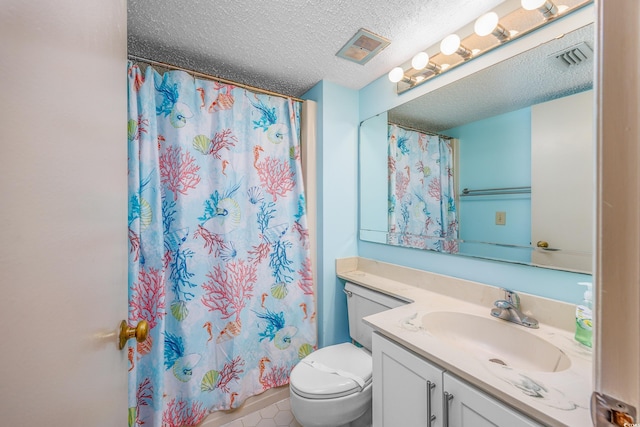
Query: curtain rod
x,y
422,131
210,77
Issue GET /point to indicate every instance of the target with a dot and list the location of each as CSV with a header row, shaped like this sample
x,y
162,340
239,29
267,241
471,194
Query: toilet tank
x,y
363,302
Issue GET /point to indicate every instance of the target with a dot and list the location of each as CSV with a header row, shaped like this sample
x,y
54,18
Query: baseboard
x,y
250,405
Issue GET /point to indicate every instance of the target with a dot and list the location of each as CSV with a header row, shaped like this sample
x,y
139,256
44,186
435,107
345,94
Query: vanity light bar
x,y
424,68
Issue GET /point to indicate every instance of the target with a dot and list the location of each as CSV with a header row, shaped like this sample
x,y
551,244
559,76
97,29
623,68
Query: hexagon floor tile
x,y
277,415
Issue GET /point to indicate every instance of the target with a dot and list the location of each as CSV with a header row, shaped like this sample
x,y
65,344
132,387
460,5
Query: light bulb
x,y
396,74
450,44
532,4
420,60
486,24
548,9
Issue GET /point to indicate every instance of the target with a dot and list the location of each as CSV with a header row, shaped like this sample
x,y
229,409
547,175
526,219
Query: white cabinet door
x,y
405,387
470,407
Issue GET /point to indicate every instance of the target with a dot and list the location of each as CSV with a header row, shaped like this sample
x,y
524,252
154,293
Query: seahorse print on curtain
x,y
218,246
422,208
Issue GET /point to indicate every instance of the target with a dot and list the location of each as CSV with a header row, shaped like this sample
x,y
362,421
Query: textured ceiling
x,y
288,46
532,77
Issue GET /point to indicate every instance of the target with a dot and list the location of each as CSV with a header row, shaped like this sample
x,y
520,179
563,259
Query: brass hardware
x,y
609,411
542,244
140,332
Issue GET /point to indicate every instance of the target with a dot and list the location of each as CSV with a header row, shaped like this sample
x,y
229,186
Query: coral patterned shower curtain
x,y
422,208
219,253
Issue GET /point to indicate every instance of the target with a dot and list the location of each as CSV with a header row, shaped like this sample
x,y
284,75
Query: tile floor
x,y
276,415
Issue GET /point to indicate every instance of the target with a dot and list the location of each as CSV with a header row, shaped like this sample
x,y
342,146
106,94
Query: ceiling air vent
x,y
575,55
363,46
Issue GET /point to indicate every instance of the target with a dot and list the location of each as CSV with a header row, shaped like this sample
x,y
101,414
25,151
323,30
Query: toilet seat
x,y
313,383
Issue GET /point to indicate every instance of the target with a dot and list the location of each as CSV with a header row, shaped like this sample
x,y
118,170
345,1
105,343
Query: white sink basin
x,y
496,341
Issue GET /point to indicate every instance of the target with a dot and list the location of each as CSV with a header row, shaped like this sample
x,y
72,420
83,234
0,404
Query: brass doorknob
x,y
140,332
542,244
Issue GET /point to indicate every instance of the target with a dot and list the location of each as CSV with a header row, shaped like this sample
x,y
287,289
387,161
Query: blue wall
x,y
380,95
339,112
373,168
544,282
554,284
338,121
337,202
500,145
495,153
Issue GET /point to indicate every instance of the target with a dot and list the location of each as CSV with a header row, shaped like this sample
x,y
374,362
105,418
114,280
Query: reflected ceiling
x,y
529,78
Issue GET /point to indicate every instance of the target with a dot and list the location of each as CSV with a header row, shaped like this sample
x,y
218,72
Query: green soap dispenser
x,y
584,317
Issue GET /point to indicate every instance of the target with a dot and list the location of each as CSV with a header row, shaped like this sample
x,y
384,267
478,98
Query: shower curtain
x,y
218,246
422,208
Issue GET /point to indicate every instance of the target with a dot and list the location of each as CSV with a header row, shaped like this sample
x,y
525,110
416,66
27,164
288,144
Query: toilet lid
x,y
346,360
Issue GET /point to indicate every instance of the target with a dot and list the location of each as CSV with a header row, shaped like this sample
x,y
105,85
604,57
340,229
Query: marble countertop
x,y
552,398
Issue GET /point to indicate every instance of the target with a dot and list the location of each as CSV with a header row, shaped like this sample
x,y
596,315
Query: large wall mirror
x,y
497,165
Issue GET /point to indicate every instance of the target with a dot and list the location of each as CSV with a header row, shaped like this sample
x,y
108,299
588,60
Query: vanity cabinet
x,y
471,407
408,390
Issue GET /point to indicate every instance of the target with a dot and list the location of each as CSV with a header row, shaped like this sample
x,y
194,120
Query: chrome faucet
x,y
509,309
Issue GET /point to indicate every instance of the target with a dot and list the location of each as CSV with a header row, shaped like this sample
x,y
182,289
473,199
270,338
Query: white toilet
x,y
331,387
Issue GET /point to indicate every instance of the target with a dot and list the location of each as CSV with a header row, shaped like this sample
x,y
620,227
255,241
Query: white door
x,y
562,181
63,210
617,319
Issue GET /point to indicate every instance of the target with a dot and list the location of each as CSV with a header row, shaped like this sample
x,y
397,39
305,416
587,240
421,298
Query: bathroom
x,y
68,61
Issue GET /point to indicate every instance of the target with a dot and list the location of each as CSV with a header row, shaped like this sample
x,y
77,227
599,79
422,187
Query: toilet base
x,y
366,420
347,411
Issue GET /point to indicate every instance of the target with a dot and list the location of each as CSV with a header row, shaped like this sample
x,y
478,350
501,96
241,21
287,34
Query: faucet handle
x,y
512,297
503,304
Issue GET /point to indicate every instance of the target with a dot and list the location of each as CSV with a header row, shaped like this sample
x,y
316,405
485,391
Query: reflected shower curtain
x,y
219,254
422,208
